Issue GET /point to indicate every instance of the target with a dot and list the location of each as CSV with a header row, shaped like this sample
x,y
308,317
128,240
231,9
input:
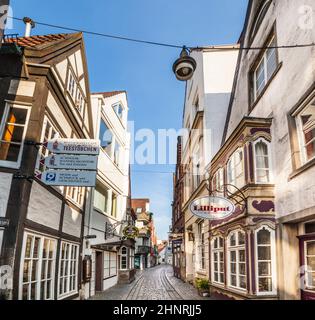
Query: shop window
x,y
68,269
262,161
310,265
306,130
265,68
13,127
237,260
38,268
110,264
265,261
235,170
218,260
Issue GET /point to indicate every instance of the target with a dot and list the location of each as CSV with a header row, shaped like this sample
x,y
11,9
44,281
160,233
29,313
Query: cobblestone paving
x,y
157,283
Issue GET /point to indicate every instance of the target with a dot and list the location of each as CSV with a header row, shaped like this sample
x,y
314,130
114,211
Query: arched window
x,y
124,258
237,260
235,169
262,161
259,17
218,260
265,261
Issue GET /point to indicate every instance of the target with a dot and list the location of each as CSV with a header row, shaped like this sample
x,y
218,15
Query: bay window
x,y
262,161
265,261
237,260
38,268
235,170
310,265
13,127
306,128
218,260
68,269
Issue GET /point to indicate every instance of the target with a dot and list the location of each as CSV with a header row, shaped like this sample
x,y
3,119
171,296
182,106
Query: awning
x,y
109,246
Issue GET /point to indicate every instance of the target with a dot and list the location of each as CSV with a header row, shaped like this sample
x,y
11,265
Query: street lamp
x,y
185,66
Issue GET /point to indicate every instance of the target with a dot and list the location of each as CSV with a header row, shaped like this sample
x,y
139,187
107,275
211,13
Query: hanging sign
x,y
212,208
131,232
68,178
73,146
71,162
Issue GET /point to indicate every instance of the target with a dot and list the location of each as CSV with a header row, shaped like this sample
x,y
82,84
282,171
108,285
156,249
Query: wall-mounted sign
x,y
4,222
71,162
68,178
131,232
74,146
212,208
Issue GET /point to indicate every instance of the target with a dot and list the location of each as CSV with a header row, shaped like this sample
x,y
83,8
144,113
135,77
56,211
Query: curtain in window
x,y
262,162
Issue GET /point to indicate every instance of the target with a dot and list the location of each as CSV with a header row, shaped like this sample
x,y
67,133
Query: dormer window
x,y
119,110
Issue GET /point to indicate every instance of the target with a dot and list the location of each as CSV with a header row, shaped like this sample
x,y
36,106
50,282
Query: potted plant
x,y
203,287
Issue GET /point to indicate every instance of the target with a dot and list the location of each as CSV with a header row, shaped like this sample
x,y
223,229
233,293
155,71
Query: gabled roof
x,y
109,94
34,41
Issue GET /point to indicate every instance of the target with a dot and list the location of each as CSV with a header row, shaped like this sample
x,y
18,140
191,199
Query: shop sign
x,y
74,146
71,162
131,232
212,208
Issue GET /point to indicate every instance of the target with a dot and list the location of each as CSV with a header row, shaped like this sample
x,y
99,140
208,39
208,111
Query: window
x,y
101,198
265,69
106,138
117,154
218,260
38,268
76,194
306,128
309,227
119,110
262,161
68,269
310,263
12,134
124,258
237,260
80,102
265,261
72,85
110,264
201,246
235,170
138,210
218,182
132,258
114,205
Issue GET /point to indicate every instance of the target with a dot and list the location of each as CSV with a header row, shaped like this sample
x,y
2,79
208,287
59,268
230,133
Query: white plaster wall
x,y
292,81
44,208
62,69
72,222
22,88
5,186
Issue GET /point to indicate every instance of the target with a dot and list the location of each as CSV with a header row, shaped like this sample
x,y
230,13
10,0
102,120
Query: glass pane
x,y
13,133
271,62
36,247
264,253
311,263
233,280
243,282
48,290
25,292
264,268
9,152
310,227
233,240
17,116
263,237
33,291
215,256
241,238
310,150
216,243
26,270
49,270
221,278
221,256
265,285
44,269
216,277
34,270
45,248
28,247
42,290
51,249
311,248
221,242
242,256
242,268
262,176
233,268
216,267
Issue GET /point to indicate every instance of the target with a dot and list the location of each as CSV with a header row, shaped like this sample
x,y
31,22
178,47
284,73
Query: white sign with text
x,y
74,146
71,162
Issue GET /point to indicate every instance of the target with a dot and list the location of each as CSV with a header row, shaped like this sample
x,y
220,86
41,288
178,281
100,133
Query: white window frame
x,y
301,137
39,266
269,161
217,251
110,255
124,255
234,179
75,291
265,63
218,182
273,261
115,107
308,288
201,247
13,164
236,248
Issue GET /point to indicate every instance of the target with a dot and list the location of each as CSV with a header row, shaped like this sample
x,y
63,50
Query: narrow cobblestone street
x,y
157,283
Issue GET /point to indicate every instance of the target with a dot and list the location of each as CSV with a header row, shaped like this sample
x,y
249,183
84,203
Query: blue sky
x,y
155,97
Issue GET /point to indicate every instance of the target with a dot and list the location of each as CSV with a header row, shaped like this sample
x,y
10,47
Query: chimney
x,y
29,25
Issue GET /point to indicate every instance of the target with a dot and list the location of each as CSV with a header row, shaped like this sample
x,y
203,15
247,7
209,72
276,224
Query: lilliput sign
x,y
212,208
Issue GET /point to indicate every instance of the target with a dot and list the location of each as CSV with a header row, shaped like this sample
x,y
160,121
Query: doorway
x,y
98,271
